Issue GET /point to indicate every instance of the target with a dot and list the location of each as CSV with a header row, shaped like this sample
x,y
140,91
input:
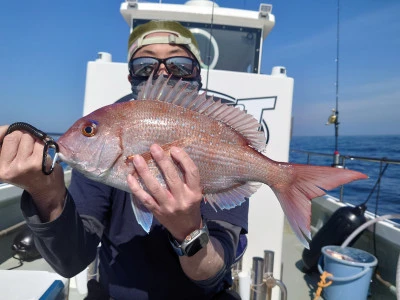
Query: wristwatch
x,y
193,243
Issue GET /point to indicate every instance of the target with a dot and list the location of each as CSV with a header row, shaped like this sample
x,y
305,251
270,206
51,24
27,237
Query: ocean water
x,y
385,199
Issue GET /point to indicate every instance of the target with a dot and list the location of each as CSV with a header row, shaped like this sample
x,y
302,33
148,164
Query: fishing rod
x,y
336,157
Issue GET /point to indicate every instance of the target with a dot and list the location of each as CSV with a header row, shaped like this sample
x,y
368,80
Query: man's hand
x,y
176,207
21,165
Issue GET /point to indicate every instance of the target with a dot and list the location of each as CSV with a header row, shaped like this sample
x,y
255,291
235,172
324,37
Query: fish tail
x,y
301,183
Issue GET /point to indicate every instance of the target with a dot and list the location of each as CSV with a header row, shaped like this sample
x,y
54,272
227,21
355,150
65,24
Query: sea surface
x,y
385,198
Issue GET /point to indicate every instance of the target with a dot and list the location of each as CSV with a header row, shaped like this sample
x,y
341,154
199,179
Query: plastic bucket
x,y
351,269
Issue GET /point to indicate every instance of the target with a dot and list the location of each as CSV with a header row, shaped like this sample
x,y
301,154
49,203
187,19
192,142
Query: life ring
x,y
214,44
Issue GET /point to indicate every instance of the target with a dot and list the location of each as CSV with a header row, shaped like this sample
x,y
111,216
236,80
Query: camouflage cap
x,y
180,35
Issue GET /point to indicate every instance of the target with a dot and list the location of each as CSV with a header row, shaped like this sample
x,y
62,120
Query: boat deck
x,y
299,285
302,286
71,292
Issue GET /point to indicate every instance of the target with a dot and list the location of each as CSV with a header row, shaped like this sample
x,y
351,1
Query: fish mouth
x,y
61,147
64,152
68,156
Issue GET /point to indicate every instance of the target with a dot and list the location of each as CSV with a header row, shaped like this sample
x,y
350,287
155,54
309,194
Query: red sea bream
x,y
223,141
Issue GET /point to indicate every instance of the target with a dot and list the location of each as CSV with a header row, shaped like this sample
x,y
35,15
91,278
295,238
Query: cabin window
x,y
222,47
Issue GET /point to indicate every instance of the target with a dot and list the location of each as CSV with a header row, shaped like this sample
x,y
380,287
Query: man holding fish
x,y
186,252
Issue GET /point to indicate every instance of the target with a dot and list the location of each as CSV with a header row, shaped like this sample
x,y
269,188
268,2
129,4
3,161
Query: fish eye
x,y
89,129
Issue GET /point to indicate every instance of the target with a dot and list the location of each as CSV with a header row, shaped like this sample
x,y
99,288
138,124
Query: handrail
x,y
349,157
344,158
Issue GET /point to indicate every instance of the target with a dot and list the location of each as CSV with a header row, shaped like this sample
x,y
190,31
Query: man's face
x,y
163,51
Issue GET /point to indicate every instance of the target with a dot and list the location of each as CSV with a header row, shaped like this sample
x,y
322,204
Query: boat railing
x,y
341,161
343,158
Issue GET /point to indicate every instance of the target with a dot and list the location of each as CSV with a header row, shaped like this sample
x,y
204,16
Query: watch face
x,y
196,244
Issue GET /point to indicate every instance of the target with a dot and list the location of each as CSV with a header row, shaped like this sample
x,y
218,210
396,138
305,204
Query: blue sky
x,y
45,46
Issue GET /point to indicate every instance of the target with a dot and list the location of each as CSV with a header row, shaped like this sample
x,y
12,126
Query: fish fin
x,y
233,197
180,95
143,216
306,182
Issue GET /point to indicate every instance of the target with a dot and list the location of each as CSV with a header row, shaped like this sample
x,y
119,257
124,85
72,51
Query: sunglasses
x,y
179,66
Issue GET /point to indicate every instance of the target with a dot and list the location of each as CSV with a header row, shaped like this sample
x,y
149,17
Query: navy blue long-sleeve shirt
x,y
133,264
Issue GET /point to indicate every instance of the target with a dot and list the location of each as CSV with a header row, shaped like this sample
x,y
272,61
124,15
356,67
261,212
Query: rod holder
x,y
262,280
268,278
258,290
268,262
236,269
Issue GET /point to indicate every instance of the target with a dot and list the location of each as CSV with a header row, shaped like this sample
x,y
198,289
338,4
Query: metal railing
x,y
343,158
342,161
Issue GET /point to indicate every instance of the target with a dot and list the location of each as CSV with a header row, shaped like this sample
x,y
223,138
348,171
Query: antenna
x,y
209,45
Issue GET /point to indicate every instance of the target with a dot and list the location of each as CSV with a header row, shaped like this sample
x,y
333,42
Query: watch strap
x,y
180,248
175,245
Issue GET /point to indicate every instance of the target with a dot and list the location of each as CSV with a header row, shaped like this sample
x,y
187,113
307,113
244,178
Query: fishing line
x,y
377,184
376,209
378,181
20,261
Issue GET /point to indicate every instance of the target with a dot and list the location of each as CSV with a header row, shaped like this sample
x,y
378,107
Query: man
x,y
69,224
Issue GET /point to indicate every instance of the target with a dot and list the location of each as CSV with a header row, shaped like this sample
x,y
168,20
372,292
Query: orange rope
x,y
322,284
